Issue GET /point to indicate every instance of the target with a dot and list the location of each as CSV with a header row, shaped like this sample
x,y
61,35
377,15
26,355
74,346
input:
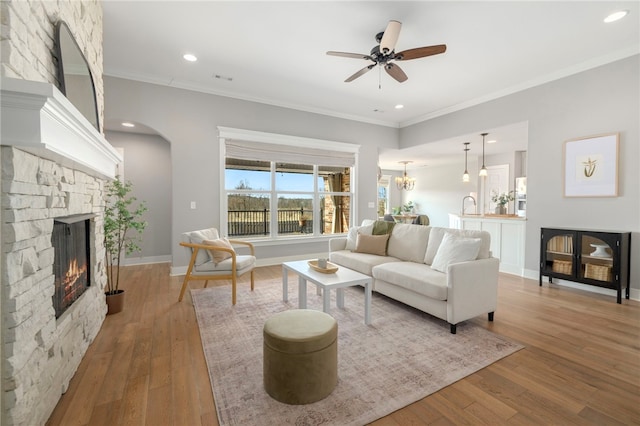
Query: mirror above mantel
x,y
74,75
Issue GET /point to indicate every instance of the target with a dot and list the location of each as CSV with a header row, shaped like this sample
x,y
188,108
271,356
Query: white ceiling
x,y
275,52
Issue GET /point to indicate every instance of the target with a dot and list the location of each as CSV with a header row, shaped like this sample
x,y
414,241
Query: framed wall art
x,y
591,166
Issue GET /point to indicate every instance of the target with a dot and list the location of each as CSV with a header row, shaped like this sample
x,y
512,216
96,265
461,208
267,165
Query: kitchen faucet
x,y
475,209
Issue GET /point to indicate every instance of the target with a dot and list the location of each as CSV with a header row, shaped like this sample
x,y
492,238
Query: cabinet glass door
x,y
596,259
559,254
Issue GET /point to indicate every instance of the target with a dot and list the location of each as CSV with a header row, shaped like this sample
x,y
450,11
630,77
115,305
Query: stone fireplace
x,y
54,168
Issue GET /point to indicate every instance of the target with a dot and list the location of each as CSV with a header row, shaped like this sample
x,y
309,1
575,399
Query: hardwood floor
x,y
580,365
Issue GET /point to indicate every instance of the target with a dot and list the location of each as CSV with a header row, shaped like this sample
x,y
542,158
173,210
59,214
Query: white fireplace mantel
x,y
36,117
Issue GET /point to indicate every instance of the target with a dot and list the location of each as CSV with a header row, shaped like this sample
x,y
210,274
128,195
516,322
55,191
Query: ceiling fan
x,y
384,53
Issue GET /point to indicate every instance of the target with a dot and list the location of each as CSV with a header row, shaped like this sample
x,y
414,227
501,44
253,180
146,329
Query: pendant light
x,y
465,176
405,182
483,170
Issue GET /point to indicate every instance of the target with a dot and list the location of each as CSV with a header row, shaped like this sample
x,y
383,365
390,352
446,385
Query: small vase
x,y
501,209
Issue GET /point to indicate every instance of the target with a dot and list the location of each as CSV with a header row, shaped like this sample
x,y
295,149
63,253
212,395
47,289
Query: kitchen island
x,y
507,237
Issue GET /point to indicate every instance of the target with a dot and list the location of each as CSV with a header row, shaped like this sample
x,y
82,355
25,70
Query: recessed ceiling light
x,y
189,57
399,106
128,124
616,16
492,141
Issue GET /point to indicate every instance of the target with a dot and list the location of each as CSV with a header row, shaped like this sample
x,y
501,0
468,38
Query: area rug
x,y
403,356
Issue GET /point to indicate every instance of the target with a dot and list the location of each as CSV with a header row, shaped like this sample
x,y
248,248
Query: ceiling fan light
x,y
390,37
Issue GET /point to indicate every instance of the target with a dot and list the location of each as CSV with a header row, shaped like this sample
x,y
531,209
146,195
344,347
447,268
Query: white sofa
x,y
464,290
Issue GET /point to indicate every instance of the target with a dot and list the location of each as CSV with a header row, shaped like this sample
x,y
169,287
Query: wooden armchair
x,y
202,266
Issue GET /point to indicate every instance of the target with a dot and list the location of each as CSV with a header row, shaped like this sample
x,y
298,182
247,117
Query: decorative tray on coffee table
x,y
330,269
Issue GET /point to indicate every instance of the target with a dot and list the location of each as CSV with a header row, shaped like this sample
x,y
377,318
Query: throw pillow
x,y
218,256
381,227
455,249
372,244
352,236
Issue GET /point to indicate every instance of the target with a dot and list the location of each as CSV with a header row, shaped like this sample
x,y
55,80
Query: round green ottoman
x,y
300,356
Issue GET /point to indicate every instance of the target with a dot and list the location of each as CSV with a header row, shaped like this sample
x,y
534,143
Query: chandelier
x,y
405,182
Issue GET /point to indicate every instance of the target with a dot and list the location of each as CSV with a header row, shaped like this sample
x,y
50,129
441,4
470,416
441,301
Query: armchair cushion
x,y
226,266
197,237
218,256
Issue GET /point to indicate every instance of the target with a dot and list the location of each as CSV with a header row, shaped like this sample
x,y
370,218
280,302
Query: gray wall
x,y
188,121
601,100
147,164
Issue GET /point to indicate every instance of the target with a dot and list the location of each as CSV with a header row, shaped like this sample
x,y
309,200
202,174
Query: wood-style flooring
x,y
580,365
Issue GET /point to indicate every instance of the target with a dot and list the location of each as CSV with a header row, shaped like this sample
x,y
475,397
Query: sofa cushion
x,y
218,256
408,242
437,234
455,249
197,237
352,236
372,244
361,262
413,276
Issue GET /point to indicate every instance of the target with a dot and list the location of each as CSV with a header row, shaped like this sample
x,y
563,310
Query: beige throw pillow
x,y
218,256
372,244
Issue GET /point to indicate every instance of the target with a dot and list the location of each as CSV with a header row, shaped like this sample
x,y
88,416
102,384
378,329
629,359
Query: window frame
x,y
226,133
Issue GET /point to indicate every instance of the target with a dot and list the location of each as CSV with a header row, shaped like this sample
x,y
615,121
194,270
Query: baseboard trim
x,y
147,260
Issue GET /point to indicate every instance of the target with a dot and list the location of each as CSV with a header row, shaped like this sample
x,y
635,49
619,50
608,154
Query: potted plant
x,y
407,208
502,200
123,226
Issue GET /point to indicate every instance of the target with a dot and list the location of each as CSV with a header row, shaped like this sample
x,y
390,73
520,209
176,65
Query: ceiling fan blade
x,y
420,52
396,72
359,73
390,37
350,55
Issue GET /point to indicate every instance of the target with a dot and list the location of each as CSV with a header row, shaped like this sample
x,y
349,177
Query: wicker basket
x,y
597,272
562,266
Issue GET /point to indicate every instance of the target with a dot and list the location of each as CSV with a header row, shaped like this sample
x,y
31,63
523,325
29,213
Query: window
x,y
285,189
383,195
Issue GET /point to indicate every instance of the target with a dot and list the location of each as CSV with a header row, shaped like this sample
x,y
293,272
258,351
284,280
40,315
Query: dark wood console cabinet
x,y
599,258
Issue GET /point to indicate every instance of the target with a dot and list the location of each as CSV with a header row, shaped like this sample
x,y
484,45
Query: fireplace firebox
x,y
70,240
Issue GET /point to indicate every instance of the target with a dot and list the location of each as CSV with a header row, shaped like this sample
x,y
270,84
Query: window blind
x,y
288,153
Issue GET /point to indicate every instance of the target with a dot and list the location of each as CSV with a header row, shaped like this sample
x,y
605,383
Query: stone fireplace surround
x,y
54,164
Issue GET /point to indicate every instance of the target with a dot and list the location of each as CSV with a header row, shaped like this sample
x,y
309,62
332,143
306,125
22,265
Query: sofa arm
x,y
336,244
472,289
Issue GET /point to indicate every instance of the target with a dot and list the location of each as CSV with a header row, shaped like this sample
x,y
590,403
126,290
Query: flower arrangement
x,y
504,198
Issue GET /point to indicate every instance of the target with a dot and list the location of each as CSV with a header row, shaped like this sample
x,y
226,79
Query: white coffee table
x,y
344,277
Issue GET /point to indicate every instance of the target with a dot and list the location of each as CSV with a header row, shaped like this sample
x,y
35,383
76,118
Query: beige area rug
x,y
403,356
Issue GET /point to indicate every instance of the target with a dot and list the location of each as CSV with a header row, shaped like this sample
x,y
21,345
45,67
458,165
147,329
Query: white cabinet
x,y
507,238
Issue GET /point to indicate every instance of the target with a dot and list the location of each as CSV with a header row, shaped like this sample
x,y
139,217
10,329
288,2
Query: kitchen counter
x,y
486,216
